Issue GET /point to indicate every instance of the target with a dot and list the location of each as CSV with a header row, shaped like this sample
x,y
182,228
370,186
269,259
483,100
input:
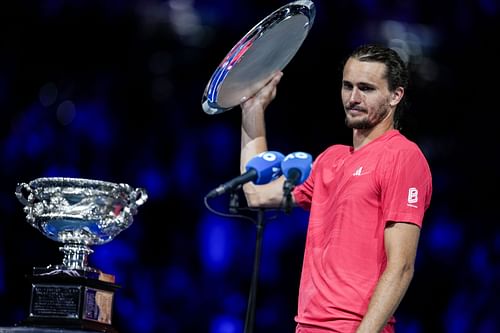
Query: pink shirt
x,y
351,195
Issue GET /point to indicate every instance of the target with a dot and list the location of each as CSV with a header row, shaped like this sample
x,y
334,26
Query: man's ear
x,y
396,96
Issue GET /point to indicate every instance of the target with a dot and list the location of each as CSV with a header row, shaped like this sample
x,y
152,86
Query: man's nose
x,y
355,97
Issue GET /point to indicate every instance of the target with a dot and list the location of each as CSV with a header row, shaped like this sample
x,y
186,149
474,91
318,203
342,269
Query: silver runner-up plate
x,y
267,48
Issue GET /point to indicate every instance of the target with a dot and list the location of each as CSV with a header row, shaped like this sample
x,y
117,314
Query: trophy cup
x,y
78,213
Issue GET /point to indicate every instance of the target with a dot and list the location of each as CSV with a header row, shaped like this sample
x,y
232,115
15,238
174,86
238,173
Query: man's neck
x,y
361,137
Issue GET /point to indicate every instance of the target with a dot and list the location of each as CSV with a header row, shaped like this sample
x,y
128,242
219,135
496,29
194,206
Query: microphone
x,y
296,168
261,169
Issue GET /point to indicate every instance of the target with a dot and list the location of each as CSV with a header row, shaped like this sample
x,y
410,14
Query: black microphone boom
x,y
233,183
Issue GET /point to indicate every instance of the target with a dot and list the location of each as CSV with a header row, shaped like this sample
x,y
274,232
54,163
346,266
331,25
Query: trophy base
x,y
72,299
58,324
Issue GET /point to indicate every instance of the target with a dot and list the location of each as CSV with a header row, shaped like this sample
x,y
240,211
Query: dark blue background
x,y
111,90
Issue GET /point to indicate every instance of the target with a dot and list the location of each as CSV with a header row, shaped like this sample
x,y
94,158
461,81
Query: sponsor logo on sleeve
x,y
412,197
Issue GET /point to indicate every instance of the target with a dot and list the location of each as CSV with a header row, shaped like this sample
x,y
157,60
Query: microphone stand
x,y
250,316
287,192
259,224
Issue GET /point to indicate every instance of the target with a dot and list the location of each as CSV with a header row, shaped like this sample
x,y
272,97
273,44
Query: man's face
x,y
365,94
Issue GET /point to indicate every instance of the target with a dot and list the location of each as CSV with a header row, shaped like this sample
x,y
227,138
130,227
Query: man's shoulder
x,y
405,151
399,141
337,149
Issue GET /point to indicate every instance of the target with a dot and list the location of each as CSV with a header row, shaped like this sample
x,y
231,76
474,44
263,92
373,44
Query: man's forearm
x,y
253,136
253,113
253,141
387,296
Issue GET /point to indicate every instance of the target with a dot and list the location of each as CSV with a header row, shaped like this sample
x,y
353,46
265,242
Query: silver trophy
x,y
78,213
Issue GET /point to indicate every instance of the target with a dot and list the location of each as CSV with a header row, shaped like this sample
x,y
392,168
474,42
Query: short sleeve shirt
x,y
351,195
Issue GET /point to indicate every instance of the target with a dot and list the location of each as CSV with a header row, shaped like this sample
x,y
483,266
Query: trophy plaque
x,y
78,213
267,48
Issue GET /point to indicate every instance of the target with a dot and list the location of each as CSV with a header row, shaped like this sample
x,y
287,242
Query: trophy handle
x,y
136,198
23,193
139,196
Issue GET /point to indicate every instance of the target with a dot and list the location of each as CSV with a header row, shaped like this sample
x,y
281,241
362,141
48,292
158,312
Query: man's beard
x,y
366,122
359,124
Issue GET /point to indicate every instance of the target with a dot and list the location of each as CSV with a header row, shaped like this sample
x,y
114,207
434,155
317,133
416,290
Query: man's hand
x,y
263,97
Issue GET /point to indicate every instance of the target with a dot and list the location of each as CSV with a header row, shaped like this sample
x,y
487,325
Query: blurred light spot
x,y
458,317
113,257
490,7
415,37
413,42
221,138
392,29
479,262
176,282
66,112
445,238
217,240
401,47
34,144
235,303
226,324
51,7
183,16
146,290
409,326
48,94
275,236
154,16
368,5
54,170
268,315
154,181
124,306
92,123
29,136
186,169
488,324
142,320
428,69
39,140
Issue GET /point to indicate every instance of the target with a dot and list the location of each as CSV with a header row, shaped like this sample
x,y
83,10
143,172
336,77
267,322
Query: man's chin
x,y
357,124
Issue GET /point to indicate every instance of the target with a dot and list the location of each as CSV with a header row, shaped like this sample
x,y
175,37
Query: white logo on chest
x,y
359,171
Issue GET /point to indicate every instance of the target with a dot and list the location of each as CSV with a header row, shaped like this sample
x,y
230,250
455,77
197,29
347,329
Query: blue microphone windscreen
x,y
299,161
267,165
